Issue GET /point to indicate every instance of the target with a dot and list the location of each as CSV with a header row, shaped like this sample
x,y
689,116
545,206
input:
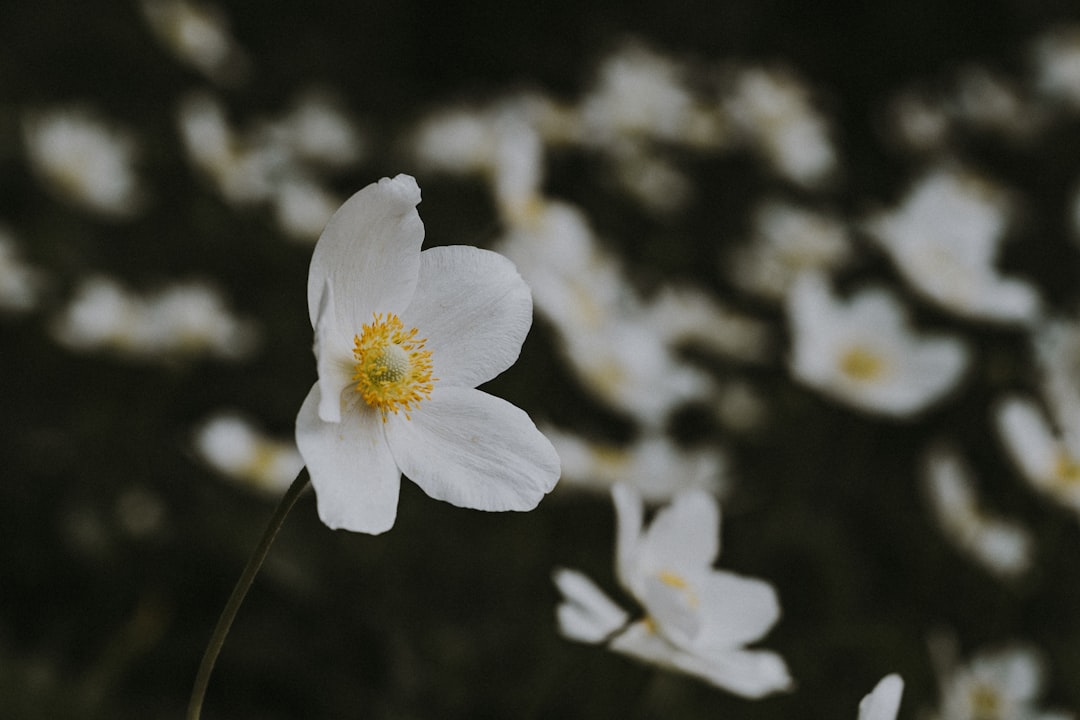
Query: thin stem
x,y
202,679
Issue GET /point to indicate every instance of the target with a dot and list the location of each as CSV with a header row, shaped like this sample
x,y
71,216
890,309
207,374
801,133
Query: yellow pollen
x,y
392,370
862,364
1066,469
985,702
669,578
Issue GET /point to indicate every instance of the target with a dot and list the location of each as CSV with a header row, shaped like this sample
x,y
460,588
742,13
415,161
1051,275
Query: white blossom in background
x,y
232,445
861,351
685,315
178,321
919,120
1056,61
1000,684
84,160
1043,440
1001,546
653,465
197,34
883,702
772,109
278,162
698,620
604,329
787,240
943,237
637,94
989,101
21,284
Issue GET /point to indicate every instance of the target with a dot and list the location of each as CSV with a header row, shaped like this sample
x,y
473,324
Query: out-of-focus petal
x,y
586,613
884,701
628,519
737,610
354,475
474,310
684,534
370,253
474,450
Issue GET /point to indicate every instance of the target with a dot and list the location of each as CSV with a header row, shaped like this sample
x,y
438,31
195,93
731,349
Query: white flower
x,y
1048,460
1003,684
943,238
232,445
1056,56
21,284
182,320
773,110
84,160
654,465
1002,547
788,240
883,702
197,34
402,338
698,620
863,353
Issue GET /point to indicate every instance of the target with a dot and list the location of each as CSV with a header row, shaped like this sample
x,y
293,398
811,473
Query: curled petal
x,y
353,473
629,514
475,311
369,252
685,534
474,450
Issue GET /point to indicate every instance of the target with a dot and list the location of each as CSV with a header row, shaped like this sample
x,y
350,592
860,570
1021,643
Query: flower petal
x,y
883,702
370,253
586,613
750,673
735,609
355,479
475,311
683,535
628,519
474,450
333,357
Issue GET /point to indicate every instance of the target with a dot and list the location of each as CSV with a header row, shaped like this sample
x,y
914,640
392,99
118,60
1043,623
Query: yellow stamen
x,y
392,370
1066,469
859,363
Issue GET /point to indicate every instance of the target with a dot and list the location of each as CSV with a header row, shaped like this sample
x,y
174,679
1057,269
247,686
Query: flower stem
x,y
202,679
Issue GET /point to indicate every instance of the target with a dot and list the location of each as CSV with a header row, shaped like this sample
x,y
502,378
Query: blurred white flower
x,y
638,93
1056,59
1002,684
684,315
654,465
1047,459
84,160
862,351
787,240
698,620
177,321
1001,546
943,238
1045,444
302,208
883,702
773,111
402,338
21,284
320,131
606,332
988,101
232,445
919,121
197,33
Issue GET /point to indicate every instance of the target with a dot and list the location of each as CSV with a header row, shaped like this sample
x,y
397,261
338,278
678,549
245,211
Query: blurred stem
x,y
202,679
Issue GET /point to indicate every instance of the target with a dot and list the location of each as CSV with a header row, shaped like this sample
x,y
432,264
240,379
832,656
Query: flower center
x,y
1066,469
392,370
859,363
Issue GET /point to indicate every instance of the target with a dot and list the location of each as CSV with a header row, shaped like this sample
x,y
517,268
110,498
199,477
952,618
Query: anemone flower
x,y
402,339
